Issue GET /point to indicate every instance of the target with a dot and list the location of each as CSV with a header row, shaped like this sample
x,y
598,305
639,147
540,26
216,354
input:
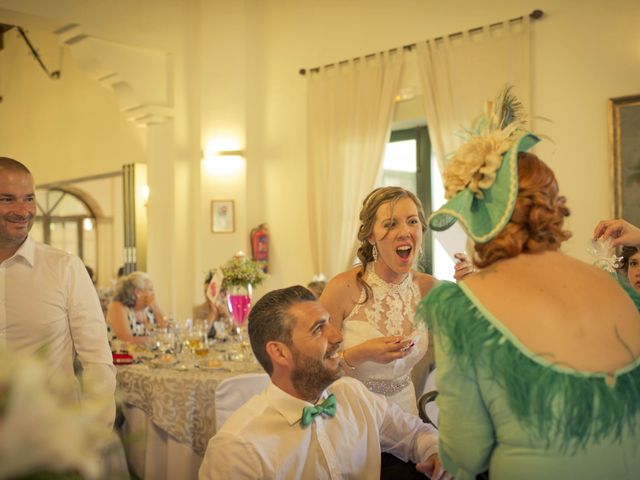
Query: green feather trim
x,y
553,402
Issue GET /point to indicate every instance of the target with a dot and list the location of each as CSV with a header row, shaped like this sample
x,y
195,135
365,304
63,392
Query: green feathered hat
x,y
481,180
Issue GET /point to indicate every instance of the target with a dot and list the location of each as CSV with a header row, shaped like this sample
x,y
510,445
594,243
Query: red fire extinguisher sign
x,y
260,245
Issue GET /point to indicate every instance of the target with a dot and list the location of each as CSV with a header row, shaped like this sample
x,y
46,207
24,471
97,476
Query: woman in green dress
x,y
538,353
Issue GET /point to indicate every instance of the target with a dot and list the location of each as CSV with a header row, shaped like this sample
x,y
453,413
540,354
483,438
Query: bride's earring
x,y
374,253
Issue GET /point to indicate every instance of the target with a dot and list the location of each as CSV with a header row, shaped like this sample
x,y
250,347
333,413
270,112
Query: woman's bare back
x,y
561,309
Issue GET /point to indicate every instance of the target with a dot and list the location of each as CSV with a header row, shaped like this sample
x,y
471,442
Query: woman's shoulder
x,y
117,306
344,281
341,293
564,282
424,281
116,311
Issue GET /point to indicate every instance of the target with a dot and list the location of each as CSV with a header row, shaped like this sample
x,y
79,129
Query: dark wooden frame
x,y
624,146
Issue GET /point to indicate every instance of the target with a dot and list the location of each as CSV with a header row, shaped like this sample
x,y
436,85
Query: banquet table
x,y
170,415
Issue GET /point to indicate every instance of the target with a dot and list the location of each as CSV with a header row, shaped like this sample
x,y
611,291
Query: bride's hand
x,y
432,468
380,350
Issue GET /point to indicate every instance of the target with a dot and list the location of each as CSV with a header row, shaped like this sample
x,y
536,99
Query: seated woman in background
x,y
207,311
134,313
539,353
211,311
374,304
629,266
317,287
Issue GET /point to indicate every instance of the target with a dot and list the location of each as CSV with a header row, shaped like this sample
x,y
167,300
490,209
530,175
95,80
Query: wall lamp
x,y
224,162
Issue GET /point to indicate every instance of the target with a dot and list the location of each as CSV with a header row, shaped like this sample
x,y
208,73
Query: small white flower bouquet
x,y
603,254
44,431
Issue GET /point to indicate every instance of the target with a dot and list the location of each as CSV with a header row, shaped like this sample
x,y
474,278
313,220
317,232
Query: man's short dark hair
x,y
269,320
11,164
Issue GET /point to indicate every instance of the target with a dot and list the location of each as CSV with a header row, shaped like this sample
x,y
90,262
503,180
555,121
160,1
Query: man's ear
x,y
279,353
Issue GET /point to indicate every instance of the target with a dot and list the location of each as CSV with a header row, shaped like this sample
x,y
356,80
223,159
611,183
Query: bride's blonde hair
x,y
370,206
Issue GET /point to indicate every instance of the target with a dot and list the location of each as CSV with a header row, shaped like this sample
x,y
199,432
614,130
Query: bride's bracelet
x,y
343,360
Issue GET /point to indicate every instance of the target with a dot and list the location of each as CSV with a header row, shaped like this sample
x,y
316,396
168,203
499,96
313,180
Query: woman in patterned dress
x,y
134,311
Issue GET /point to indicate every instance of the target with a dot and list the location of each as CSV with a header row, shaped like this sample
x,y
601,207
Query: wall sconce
x,y
225,162
144,191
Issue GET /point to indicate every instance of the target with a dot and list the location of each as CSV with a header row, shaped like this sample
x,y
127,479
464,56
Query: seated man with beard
x,y
309,422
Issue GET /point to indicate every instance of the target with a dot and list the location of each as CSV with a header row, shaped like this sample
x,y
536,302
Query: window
x,y
408,163
65,221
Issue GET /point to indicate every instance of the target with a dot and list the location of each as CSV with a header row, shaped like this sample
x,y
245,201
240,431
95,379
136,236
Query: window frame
x,y
47,216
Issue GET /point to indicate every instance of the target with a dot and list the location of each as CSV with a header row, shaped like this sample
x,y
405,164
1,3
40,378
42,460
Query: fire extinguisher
x,y
260,245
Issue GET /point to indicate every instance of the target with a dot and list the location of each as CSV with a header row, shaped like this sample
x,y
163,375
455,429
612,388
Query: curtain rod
x,y
535,15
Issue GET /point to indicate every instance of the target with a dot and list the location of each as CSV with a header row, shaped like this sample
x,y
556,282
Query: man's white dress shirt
x,y
264,438
49,305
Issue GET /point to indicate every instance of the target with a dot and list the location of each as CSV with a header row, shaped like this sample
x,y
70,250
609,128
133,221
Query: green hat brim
x,y
484,218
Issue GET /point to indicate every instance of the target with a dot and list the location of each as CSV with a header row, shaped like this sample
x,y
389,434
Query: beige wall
x,y
65,128
583,52
232,73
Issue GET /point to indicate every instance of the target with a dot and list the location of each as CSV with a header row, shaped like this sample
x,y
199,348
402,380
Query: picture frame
x,y
624,146
222,216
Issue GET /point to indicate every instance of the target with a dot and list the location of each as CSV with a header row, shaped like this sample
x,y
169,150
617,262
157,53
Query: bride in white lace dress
x,y
375,304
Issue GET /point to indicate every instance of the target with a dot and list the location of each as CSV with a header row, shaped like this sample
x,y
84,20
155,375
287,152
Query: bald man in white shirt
x,y
48,304
309,422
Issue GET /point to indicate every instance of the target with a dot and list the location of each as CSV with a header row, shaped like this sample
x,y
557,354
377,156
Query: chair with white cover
x,y
233,392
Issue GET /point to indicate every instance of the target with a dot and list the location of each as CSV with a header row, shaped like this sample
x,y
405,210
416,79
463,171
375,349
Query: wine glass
x,y
198,343
165,340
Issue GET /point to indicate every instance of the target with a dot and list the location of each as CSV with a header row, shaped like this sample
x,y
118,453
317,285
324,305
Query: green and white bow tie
x,y
328,407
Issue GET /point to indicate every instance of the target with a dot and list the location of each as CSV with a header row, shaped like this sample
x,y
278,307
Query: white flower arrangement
x,y
242,271
43,428
603,254
475,163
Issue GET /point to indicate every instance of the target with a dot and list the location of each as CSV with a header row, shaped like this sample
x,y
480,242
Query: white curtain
x,y
460,72
350,107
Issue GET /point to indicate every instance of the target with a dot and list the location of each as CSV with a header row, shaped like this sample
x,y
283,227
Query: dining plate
x,y
213,366
163,362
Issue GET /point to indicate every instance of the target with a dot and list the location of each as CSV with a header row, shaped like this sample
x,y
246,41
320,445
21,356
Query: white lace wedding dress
x,y
389,311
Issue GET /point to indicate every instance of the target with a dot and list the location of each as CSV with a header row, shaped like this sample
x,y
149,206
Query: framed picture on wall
x,y
222,216
624,139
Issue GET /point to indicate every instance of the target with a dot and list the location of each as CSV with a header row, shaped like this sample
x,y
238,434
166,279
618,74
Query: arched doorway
x,y
65,221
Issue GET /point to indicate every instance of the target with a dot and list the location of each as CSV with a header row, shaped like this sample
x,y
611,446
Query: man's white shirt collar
x,y
289,406
26,251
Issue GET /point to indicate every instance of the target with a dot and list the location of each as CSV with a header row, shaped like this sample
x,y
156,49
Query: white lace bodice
x,y
390,310
391,307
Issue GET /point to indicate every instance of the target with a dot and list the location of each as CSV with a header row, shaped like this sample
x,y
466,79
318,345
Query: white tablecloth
x,y
170,416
